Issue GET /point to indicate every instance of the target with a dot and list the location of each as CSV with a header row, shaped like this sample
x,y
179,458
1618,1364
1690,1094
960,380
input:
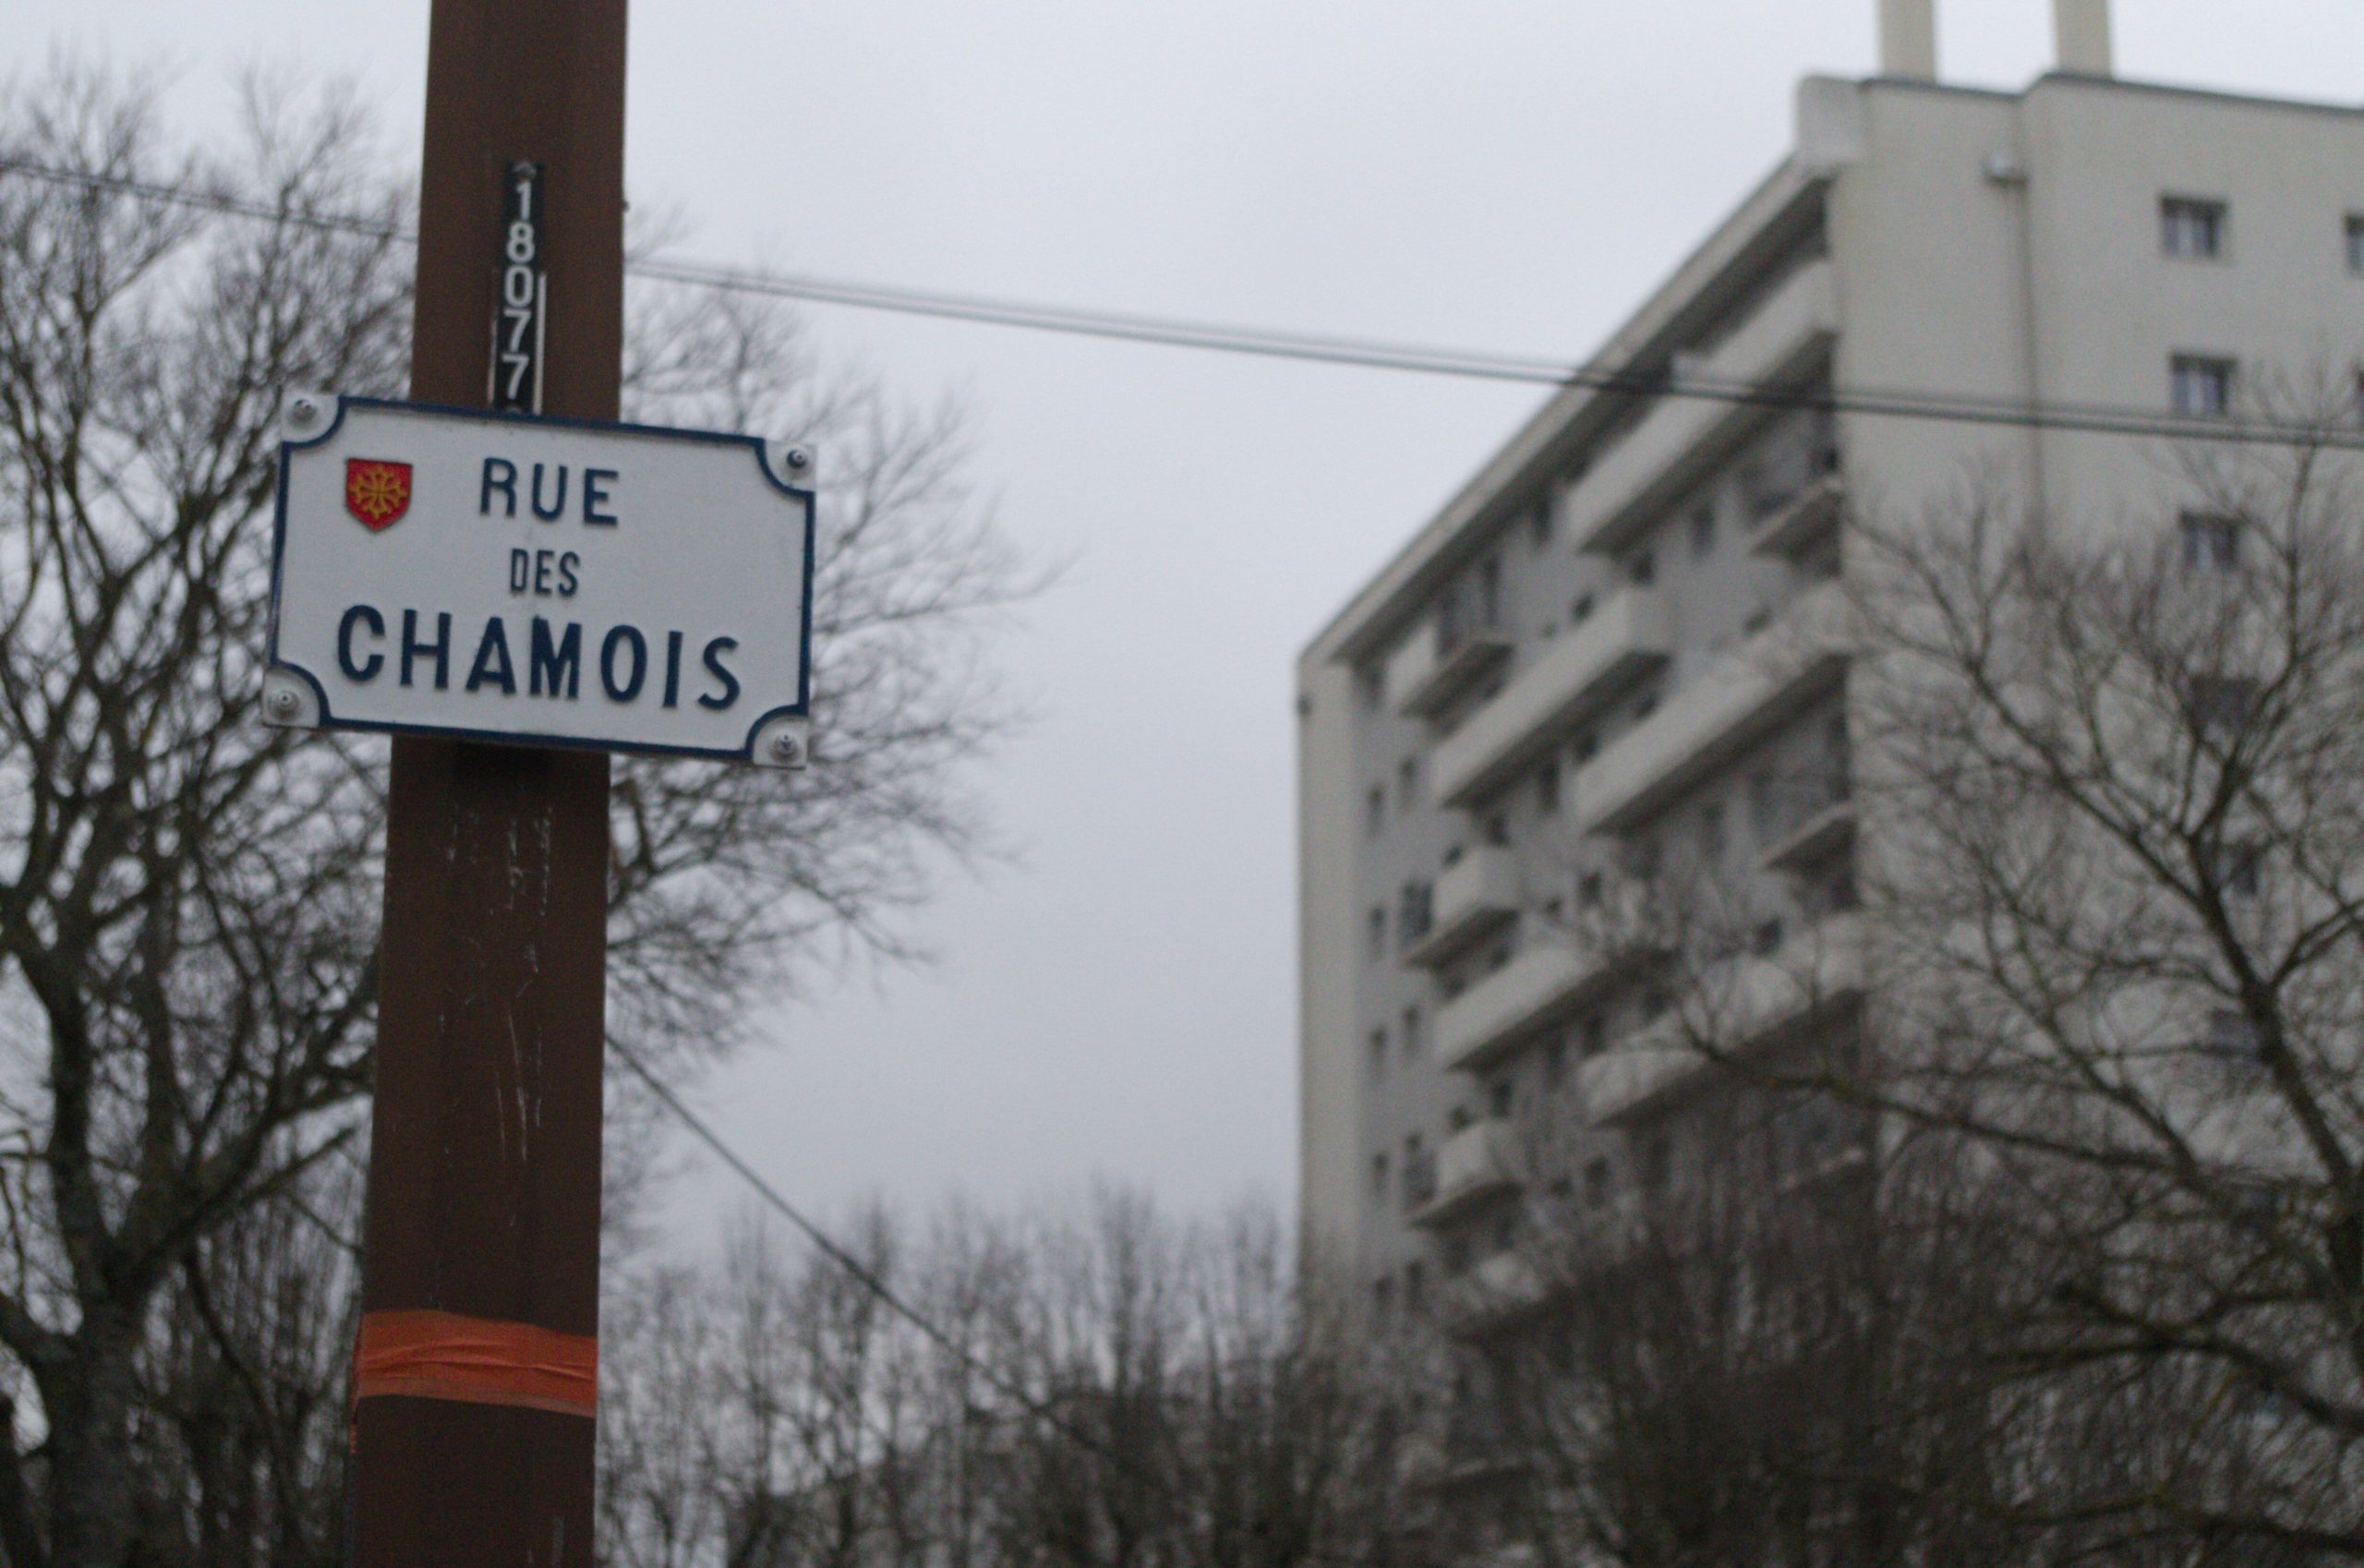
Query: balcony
x,y
1536,989
1477,1163
1765,683
1430,669
1820,839
1785,344
1743,1005
1619,1081
1800,530
1499,1290
1478,895
1572,679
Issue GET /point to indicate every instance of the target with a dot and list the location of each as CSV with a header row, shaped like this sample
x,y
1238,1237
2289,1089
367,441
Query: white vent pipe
x,y
2082,28
1908,39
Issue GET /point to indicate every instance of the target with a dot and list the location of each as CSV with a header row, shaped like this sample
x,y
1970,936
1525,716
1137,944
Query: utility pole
x,y
473,1415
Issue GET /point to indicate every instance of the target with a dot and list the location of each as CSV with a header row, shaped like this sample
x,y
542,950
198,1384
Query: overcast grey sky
x,y
1495,174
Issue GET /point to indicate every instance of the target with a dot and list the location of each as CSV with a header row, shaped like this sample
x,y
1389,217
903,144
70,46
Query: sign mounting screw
x,y
798,459
786,748
283,704
302,411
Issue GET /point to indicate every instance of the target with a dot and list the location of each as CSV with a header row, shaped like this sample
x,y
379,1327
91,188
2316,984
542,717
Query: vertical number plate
x,y
518,317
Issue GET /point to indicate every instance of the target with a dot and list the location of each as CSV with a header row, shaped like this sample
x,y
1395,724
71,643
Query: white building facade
x,y
1616,643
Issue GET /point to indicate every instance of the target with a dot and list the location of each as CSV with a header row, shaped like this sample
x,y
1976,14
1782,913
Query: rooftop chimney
x,y
2082,28
1909,38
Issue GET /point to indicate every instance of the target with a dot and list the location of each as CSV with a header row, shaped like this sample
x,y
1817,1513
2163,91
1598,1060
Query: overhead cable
x,y
846,1260
1641,383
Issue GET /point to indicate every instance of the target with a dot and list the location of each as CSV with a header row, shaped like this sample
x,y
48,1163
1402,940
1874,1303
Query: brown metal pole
x,y
484,1176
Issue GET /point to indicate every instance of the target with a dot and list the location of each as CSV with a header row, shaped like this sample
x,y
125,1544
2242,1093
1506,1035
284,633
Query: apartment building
x,y
1616,643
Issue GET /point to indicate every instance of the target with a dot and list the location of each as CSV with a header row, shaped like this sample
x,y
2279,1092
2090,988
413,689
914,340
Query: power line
x,y
854,1268
1263,343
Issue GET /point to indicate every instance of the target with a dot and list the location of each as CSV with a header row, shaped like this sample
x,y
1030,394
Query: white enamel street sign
x,y
549,582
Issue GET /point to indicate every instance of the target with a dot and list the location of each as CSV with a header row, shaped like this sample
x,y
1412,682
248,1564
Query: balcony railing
x,y
1432,669
1819,833
1474,1165
1477,896
1536,989
1743,1005
1571,679
1765,683
1786,343
1805,522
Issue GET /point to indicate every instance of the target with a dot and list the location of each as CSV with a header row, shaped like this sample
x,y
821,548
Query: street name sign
x,y
547,581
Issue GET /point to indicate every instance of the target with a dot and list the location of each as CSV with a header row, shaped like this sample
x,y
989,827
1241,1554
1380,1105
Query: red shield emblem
x,y
377,493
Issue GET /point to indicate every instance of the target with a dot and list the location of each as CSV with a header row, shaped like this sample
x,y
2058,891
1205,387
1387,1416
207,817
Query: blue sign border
x,y
801,708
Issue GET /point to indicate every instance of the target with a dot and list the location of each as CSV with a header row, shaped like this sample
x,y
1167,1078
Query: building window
x,y
1408,783
1502,1099
1600,1180
1497,829
1379,1053
2201,387
2191,228
1375,937
1643,571
1374,811
1538,523
1588,890
1703,532
1555,1065
1640,857
1378,1178
1415,1280
2221,702
1419,1173
1547,788
2356,243
1412,912
1490,593
1767,939
1411,1034
1764,807
2236,867
2234,1043
1711,835
1382,1294
1658,1162
2210,542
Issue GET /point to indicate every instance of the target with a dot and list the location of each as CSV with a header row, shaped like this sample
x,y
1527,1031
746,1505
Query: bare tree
x,y
2116,773
1109,1389
188,899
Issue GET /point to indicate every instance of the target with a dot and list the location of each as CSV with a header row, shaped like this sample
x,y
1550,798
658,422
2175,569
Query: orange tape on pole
x,y
475,1361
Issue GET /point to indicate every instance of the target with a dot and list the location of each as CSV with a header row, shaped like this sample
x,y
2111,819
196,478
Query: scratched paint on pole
x,y
548,582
